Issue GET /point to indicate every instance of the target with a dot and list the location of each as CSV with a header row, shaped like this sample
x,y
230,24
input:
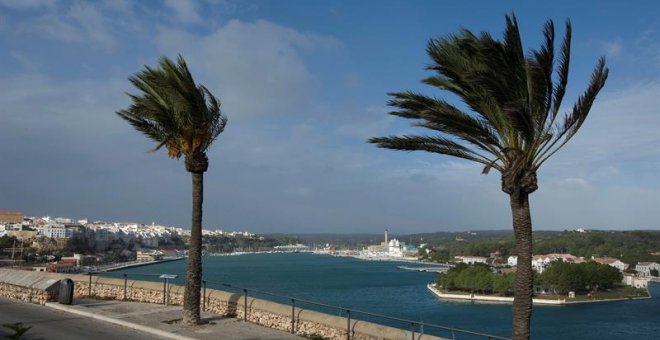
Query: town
x,y
70,245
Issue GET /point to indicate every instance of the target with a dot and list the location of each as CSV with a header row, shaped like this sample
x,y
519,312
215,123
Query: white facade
x,y
611,261
394,248
56,231
541,262
512,261
471,259
644,268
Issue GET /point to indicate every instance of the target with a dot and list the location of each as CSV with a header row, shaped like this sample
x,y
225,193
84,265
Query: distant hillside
x,y
337,239
629,246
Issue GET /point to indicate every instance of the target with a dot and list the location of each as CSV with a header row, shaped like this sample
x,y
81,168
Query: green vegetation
x,y
228,244
628,246
476,278
559,278
7,241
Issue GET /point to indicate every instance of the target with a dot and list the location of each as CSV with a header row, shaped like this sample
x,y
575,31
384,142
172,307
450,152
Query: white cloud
x,y
184,10
93,23
82,23
255,68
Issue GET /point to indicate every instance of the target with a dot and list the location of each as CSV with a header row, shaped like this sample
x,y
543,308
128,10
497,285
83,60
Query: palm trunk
x,y
191,297
522,301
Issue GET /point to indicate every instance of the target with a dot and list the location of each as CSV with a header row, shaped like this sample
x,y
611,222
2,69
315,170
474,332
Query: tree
x,y
185,118
514,126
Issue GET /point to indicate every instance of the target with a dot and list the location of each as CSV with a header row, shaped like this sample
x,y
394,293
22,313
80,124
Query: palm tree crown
x,y
173,111
516,99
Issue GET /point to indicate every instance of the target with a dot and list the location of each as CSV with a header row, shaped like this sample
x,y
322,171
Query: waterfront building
x,y
611,261
394,248
635,281
644,268
471,259
148,256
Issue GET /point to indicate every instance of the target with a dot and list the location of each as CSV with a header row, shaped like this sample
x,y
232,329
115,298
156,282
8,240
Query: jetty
x,y
425,269
133,264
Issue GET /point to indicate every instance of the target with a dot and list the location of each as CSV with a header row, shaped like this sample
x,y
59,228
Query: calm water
x,y
380,287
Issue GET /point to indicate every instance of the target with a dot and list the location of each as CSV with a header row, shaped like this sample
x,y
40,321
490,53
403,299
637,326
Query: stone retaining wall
x,y
262,312
26,294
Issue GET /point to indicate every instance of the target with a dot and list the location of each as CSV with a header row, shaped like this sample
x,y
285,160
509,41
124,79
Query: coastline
x,y
138,264
509,300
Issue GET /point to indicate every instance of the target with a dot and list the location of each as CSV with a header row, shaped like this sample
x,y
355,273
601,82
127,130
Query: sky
x,y
304,85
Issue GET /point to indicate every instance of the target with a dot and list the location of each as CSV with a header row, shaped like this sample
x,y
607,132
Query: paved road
x,y
49,324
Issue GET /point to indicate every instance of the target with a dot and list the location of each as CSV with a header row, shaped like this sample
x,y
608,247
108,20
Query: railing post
x,y
348,324
293,316
125,284
412,329
89,289
245,305
203,295
165,292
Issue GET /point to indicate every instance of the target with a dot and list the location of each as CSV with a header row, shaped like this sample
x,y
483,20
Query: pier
x,y
425,269
134,264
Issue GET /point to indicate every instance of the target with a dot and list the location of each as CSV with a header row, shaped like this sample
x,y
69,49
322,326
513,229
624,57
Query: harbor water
x,y
381,288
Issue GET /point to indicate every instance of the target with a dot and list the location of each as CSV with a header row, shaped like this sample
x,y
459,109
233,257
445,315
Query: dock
x,y
134,264
425,269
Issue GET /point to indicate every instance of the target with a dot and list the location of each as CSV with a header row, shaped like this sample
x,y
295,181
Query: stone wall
x,y
26,294
262,312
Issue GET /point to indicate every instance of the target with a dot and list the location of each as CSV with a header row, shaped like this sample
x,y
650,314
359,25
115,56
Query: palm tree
x,y
184,118
514,125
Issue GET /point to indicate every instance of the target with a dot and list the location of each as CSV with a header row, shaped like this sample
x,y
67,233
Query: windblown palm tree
x,y
184,118
514,125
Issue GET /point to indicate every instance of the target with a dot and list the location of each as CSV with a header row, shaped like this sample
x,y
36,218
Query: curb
x,y
153,331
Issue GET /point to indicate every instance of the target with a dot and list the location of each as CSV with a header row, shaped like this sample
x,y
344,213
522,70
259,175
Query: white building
x,y
644,268
635,281
611,261
512,261
394,248
56,231
472,259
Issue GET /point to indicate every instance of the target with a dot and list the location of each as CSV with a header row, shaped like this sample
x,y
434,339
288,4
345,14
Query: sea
x,y
380,287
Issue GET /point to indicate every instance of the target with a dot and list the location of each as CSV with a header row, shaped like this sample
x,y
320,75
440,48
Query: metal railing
x,y
417,328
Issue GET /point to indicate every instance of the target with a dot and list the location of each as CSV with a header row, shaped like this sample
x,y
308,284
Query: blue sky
x,y
304,84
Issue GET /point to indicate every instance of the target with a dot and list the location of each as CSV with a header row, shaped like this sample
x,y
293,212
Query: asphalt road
x,y
53,324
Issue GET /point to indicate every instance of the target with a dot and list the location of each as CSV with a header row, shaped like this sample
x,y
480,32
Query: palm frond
x,y
573,121
439,145
513,99
173,110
